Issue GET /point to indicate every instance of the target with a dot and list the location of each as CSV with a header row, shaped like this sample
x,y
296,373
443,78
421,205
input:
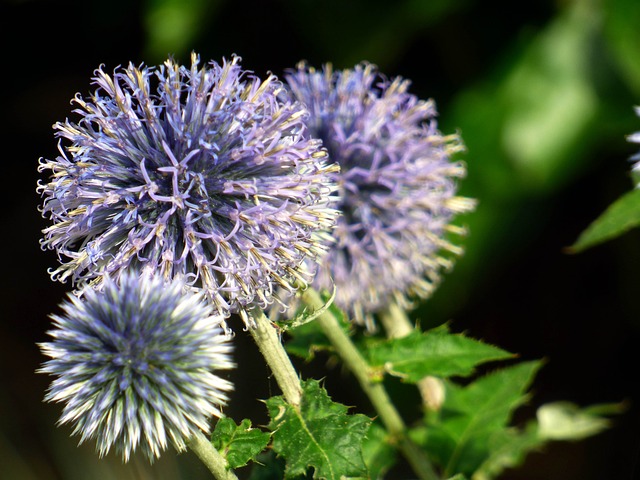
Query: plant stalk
x,y
374,389
395,321
266,337
214,461
397,325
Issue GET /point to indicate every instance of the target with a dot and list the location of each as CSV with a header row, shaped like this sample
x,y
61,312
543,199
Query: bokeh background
x,y
542,93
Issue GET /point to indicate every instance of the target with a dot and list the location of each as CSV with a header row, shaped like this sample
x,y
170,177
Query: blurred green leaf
x,y
555,421
460,437
320,434
566,421
621,21
530,124
171,26
549,97
379,454
508,449
621,216
437,353
527,123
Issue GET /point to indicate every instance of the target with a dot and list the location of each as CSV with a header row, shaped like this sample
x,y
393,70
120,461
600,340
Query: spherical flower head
x,y
397,186
203,172
635,138
133,364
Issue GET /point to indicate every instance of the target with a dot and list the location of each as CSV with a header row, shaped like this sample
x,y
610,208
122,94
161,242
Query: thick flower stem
x,y
397,325
214,461
395,321
266,337
375,390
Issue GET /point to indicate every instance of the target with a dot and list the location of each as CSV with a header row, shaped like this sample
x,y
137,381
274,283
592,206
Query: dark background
x,y
542,93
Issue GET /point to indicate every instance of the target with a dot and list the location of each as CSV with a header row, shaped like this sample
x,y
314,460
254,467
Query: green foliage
x,y
531,123
549,99
379,454
435,352
507,449
566,421
171,26
305,315
238,443
471,425
621,216
319,434
621,28
306,335
555,421
529,117
268,466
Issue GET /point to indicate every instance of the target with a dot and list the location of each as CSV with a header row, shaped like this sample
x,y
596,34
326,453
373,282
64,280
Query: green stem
x,y
214,461
395,321
266,337
397,325
375,390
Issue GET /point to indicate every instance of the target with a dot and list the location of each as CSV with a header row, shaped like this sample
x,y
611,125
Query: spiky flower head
x,y
635,138
133,364
202,172
397,185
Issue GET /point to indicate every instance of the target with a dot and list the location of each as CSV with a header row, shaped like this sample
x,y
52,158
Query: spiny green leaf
x,y
436,352
379,454
238,443
459,439
621,216
320,434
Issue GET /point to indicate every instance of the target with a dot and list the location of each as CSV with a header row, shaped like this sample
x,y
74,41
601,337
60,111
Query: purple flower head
x,y
133,364
397,186
202,172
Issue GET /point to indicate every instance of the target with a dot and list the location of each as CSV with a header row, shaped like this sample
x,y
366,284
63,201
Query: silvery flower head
x,y
133,364
397,186
202,172
635,138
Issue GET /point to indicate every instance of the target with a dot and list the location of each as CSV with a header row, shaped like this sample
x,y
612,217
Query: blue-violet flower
x,y
397,186
202,172
133,364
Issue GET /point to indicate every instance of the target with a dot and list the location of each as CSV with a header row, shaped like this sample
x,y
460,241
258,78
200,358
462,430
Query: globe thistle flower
x,y
397,186
133,365
204,172
635,138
